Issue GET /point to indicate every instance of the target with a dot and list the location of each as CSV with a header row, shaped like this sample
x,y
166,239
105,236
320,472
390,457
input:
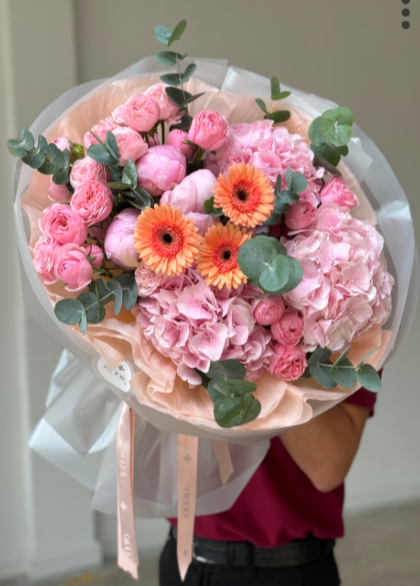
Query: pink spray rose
x,y
269,311
96,254
177,138
192,192
72,267
45,251
58,193
141,113
161,169
119,240
93,202
288,362
208,130
62,143
147,280
118,114
288,329
337,191
168,110
130,145
101,129
61,224
87,169
300,215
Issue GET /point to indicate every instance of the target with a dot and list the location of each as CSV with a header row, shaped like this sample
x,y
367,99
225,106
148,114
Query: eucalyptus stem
x,y
332,365
183,91
162,126
320,162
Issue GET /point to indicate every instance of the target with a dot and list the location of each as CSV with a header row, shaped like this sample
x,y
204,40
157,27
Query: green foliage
x,y
226,369
210,209
22,146
277,116
163,34
330,134
181,97
296,182
105,153
129,174
177,32
276,275
177,79
276,93
169,58
369,378
234,411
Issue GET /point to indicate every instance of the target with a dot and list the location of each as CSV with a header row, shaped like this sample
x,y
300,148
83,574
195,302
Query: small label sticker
x,y
120,376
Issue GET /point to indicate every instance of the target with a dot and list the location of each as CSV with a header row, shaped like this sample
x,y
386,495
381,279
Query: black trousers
x,y
323,572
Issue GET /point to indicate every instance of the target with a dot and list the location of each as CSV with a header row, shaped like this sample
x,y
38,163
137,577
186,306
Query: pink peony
x,y
58,193
62,143
208,130
288,362
161,169
300,215
168,110
72,267
93,202
177,138
61,224
337,191
141,113
192,192
147,280
269,311
119,240
130,145
96,254
101,129
288,329
45,251
87,169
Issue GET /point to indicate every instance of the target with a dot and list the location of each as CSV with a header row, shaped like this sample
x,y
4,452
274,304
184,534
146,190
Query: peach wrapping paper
x,y
157,392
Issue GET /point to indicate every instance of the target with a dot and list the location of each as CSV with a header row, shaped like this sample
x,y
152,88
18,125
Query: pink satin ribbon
x,y
187,496
127,546
221,449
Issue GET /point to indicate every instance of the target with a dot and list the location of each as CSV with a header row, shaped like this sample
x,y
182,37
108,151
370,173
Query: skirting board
x,y
70,562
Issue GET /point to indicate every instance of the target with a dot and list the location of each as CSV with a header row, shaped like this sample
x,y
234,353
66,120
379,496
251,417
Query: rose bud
x,y
168,110
96,255
119,240
130,145
269,311
337,191
288,362
288,329
58,193
300,215
93,202
72,267
87,169
177,138
62,143
141,113
208,130
61,224
161,169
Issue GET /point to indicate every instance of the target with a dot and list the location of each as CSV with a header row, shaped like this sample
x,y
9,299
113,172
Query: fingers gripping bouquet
x,y
216,244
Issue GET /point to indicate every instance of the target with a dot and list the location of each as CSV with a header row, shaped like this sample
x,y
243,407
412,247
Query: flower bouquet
x,y
212,259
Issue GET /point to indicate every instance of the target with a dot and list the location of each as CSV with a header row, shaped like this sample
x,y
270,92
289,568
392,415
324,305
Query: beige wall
x,y
351,51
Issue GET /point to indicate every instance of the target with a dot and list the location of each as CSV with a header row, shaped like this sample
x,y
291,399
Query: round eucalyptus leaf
x,y
369,378
226,369
343,374
322,374
336,126
258,253
69,311
276,275
234,387
235,411
91,305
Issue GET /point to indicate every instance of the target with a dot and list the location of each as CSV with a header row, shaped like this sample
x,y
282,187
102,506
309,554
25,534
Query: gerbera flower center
x,y
226,257
244,197
167,240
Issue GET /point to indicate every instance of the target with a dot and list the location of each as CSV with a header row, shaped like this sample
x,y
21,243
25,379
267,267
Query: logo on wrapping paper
x,y
128,545
186,502
119,377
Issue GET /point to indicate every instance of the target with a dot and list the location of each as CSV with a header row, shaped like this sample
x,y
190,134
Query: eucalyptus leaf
x,y
258,253
91,305
322,374
281,96
69,311
54,160
189,72
226,369
163,33
319,355
112,146
275,87
139,198
331,155
210,209
178,96
368,355
184,124
342,357
278,116
299,182
174,79
27,139
99,153
118,185
336,126
234,411
129,174
22,146
177,32
295,277
169,58
276,275
234,387
35,158
205,380
343,374
193,98
214,394
261,104
369,378
62,175
103,292
129,289
115,286
314,132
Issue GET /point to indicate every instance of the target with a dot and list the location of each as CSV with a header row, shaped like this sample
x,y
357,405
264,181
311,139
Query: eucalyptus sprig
x,y
330,135
89,307
180,97
276,94
342,372
233,401
265,263
296,183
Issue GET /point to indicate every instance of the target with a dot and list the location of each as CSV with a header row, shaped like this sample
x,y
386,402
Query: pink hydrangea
x,y
271,149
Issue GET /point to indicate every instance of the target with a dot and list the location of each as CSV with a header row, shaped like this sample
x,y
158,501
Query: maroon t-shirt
x,y
280,503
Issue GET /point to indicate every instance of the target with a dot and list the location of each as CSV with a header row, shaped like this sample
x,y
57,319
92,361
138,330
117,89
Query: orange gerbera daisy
x,y
246,195
166,240
218,257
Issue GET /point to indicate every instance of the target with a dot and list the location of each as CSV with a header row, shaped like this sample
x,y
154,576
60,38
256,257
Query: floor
x,y
381,548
